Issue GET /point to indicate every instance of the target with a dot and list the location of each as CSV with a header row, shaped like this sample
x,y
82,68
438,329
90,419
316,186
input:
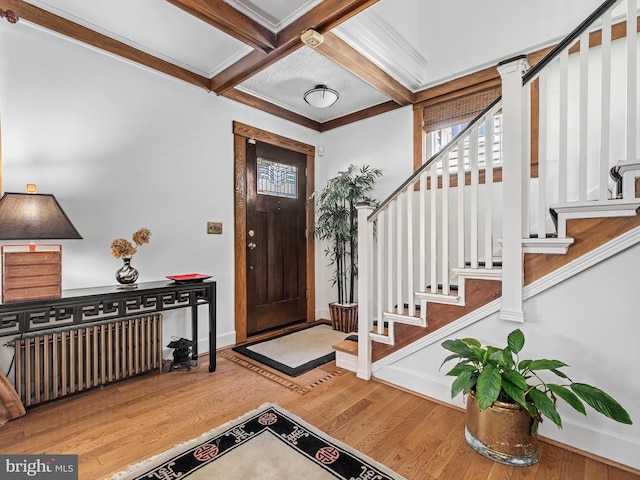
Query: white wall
x,y
585,322
453,45
123,147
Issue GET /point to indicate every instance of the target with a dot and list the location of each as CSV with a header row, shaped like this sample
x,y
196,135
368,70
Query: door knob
x,y
252,245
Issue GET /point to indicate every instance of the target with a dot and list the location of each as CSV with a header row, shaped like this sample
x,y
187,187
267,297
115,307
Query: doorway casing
x,y
241,133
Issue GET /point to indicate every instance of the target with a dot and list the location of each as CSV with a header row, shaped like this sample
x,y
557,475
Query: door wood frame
x,y
241,133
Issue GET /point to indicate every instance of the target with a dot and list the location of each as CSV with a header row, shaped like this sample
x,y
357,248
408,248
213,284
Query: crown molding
x,y
251,10
373,37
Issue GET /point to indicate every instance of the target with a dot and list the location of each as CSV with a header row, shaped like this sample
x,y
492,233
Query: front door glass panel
x,y
277,179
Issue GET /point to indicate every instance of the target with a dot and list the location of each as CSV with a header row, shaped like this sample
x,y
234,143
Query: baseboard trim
x,y
590,455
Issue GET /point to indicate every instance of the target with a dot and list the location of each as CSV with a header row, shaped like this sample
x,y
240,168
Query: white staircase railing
x,y
586,93
471,212
411,252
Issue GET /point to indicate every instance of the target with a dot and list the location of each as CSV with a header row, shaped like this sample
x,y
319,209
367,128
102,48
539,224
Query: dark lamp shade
x,y
34,216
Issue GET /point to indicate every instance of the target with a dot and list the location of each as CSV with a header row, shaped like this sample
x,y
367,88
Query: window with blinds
x,y
444,120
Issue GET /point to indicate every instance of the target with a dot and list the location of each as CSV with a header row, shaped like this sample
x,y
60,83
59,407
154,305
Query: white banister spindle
x,y
584,116
488,181
444,257
423,232
605,107
512,169
390,257
563,127
410,255
525,181
399,250
365,284
541,215
433,257
461,212
382,274
632,75
473,197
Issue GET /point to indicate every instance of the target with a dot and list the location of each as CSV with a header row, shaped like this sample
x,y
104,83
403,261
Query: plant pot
x,y
502,433
344,318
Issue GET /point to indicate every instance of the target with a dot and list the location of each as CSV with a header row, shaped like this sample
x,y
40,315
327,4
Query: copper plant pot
x,y
502,433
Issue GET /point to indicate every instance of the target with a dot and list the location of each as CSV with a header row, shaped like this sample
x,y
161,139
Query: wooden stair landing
x,y
347,346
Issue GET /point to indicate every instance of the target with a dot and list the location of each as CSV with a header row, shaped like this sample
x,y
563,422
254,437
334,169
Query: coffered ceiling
x,y
378,54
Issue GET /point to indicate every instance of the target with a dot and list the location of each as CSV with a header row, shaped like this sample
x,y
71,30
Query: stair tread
x,y
384,333
547,235
453,292
495,263
400,314
451,287
594,205
347,346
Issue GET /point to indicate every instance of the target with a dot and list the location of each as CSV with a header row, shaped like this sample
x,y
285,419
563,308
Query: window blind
x,y
458,110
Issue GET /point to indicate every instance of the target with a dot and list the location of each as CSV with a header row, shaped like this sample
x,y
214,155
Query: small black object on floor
x,y
181,353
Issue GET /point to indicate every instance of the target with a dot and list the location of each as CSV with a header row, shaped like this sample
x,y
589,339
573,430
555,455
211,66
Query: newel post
x,y
365,287
514,187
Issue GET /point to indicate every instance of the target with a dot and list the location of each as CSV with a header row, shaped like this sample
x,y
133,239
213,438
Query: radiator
x,y
59,363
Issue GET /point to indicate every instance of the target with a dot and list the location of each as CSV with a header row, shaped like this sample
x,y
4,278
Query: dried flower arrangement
x,y
122,248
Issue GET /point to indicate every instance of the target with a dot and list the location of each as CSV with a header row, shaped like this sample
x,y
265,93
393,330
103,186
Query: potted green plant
x,y
499,383
336,223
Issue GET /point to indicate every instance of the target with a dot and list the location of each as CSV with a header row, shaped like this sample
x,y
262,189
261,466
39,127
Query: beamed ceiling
x,y
378,54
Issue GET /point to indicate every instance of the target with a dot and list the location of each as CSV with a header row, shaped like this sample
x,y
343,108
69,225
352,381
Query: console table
x,y
86,305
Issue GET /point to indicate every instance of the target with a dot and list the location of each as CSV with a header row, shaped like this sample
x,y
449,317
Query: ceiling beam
x,y
324,17
73,30
321,18
360,115
280,112
220,15
350,59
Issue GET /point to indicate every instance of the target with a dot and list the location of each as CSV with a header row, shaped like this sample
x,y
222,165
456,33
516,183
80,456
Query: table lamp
x,y
32,271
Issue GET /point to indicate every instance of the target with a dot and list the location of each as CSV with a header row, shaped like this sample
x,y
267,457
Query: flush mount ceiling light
x,y
321,96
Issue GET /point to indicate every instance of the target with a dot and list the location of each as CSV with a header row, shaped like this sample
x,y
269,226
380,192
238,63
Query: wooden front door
x,y
275,237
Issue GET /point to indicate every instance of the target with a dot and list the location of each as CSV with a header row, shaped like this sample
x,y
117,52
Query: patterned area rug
x,y
267,444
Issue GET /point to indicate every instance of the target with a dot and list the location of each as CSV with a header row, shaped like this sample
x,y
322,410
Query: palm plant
x,y
336,222
498,374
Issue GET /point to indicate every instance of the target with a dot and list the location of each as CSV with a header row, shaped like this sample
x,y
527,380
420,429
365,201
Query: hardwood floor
x,y
129,421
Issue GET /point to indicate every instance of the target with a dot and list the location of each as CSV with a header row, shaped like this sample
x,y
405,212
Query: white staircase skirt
x,y
347,361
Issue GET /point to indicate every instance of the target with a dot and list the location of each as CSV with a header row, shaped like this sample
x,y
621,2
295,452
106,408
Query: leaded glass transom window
x,y
277,179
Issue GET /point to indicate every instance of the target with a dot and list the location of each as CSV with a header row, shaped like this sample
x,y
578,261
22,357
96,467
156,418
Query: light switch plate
x,y
214,228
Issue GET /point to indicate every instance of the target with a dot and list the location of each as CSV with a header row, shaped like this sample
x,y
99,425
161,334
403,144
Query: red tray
x,y
189,277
